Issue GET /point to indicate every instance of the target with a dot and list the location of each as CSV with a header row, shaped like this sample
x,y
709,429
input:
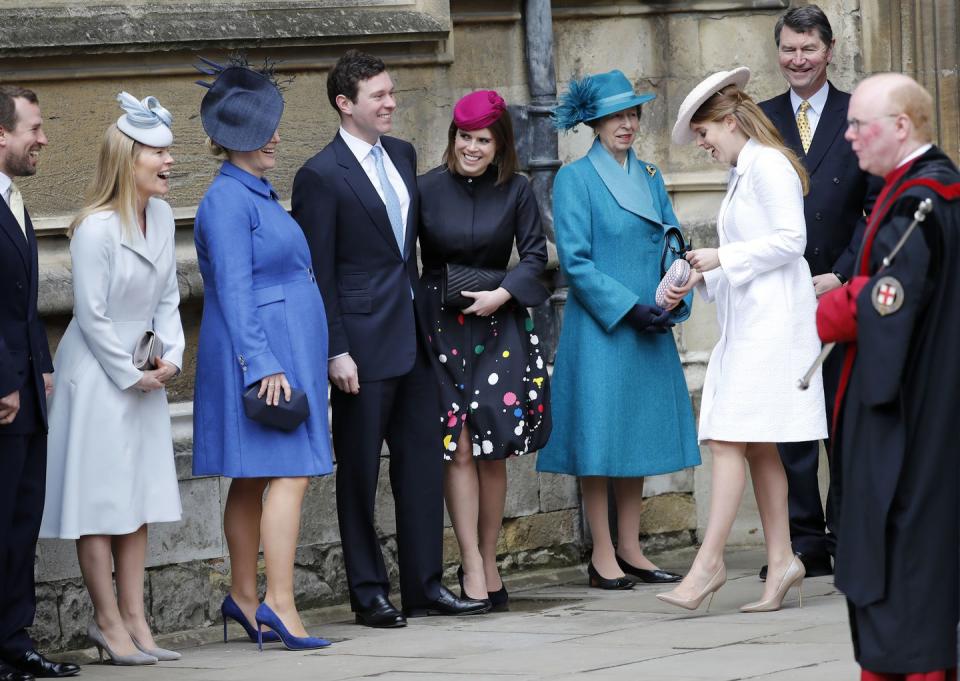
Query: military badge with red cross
x,y
887,295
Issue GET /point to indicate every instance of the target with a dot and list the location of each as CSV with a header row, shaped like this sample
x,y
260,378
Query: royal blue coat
x,y
620,402
262,315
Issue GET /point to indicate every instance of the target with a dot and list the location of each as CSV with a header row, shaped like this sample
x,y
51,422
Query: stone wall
x,y
78,56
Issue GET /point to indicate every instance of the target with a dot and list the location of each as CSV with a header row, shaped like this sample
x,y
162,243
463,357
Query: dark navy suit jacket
x,y
364,278
839,191
24,351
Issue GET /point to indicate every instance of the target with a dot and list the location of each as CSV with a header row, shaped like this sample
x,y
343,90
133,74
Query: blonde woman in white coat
x,y
766,308
110,464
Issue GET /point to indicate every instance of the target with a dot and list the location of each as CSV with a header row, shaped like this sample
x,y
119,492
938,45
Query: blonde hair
x,y
732,101
114,186
216,150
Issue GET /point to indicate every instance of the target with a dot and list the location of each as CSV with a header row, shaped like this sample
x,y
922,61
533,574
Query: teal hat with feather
x,y
594,97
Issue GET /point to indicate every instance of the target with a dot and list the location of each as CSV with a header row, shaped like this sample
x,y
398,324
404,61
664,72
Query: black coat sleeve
x,y
314,207
846,264
521,281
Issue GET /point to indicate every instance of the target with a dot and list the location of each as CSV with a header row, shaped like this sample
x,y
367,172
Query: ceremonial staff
x,y
919,216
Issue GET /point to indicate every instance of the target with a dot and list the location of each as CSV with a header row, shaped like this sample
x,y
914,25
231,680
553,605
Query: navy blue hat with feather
x,y
242,107
594,97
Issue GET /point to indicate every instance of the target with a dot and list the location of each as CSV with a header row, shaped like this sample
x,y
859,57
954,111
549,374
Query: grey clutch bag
x,y
148,347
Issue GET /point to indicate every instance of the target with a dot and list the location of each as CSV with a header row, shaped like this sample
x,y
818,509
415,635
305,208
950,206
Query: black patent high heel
x,y
463,591
597,581
499,600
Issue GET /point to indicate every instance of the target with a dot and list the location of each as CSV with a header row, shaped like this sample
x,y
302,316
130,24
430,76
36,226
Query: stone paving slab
x,y
557,632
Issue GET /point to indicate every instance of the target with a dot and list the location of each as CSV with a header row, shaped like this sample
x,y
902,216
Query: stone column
x,y
922,40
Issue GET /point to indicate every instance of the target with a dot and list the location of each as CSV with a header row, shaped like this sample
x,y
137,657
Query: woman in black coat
x,y
493,379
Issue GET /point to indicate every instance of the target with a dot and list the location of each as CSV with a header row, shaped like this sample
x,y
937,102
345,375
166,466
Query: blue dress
x,y
620,402
262,314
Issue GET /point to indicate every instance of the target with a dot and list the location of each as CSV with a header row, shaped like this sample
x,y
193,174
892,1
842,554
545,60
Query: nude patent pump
x,y
792,577
713,585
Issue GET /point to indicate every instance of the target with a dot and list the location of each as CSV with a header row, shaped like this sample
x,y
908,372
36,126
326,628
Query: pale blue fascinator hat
x,y
145,121
594,97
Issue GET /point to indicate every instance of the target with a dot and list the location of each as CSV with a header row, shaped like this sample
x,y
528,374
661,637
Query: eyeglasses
x,y
855,123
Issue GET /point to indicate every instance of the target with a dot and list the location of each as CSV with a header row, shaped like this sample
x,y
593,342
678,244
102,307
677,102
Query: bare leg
x,y
461,490
129,556
629,493
770,489
241,525
493,497
280,530
96,565
726,491
594,491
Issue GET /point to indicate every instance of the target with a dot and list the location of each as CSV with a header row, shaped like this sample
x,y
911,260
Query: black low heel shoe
x,y
499,600
598,582
648,576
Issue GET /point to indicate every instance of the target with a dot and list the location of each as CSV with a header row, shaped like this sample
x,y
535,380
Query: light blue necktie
x,y
390,198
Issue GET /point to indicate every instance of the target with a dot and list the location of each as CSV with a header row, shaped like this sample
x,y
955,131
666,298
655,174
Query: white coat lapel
x,y
148,247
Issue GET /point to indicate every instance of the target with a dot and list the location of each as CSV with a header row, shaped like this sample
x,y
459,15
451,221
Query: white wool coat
x,y
766,308
110,466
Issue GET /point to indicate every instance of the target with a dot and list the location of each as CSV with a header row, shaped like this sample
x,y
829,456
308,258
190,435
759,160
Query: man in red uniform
x,y
899,521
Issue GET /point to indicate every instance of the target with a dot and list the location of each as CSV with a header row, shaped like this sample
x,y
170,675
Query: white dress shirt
x,y
5,183
817,102
361,150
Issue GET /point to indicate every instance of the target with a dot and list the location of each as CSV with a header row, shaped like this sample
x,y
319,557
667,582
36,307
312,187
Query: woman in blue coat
x,y
263,327
621,408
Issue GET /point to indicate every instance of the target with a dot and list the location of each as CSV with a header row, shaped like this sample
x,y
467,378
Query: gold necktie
x,y
803,125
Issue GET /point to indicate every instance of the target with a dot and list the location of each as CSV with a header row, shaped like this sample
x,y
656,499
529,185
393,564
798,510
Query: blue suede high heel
x,y
268,618
232,610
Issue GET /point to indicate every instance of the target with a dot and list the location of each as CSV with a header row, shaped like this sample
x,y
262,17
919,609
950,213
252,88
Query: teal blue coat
x,y
620,402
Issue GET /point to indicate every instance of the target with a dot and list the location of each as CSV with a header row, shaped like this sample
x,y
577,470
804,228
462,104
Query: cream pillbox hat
x,y
145,121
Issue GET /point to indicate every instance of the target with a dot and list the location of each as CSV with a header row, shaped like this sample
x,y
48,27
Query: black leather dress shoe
x,y
32,662
648,576
448,604
8,673
381,614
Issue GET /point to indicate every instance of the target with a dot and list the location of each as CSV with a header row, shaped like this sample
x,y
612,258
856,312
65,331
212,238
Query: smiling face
x,y
474,151
372,114
618,131
20,147
258,161
803,60
722,139
151,171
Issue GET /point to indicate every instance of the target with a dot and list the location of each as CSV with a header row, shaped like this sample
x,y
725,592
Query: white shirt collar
x,y
919,151
360,148
5,183
817,101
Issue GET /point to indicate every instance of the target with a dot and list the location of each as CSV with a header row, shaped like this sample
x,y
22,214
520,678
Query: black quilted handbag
x,y
458,278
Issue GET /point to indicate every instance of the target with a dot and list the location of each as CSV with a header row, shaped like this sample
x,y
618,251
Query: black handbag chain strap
x,y
676,244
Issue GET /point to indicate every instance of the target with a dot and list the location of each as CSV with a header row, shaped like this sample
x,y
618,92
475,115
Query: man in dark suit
x,y
812,117
357,203
25,381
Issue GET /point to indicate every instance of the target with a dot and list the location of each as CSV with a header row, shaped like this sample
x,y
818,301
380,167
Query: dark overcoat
x,y
897,559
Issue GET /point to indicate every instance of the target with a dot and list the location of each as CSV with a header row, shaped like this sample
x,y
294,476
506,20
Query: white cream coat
x,y
766,308
110,466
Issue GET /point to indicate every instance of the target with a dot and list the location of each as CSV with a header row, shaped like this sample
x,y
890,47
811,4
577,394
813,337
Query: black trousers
x,y
23,470
812,531
402,411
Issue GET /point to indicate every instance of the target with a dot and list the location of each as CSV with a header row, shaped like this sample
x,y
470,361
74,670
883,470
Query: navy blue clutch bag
x,y
285,416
